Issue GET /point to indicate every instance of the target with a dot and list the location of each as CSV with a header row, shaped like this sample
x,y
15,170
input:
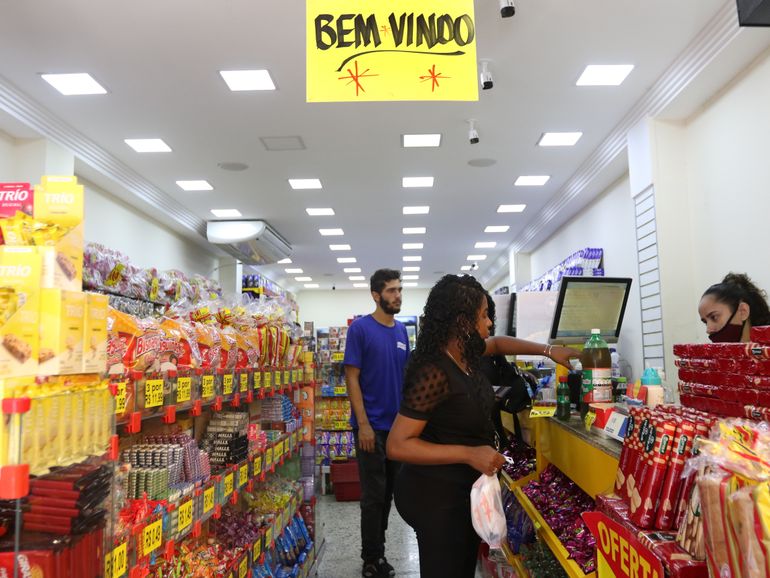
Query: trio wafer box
x,y
19,311
95,333
61,331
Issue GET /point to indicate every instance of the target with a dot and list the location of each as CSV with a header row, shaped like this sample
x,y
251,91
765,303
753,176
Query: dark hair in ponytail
x,y
737,287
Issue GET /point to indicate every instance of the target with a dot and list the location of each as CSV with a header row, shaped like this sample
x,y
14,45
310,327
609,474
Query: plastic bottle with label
x,y
597,372
562,400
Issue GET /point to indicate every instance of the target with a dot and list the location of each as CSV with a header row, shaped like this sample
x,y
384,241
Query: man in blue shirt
x,y
376,352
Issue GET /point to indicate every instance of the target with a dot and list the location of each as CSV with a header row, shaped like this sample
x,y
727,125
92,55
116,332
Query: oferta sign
x,y
370,50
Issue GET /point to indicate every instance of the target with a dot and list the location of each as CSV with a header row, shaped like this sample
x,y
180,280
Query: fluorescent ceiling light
x,y
339,247
240,80
352,269
292,271
299,184
357,278
285,261
411,246
226,213
195,185
311,285
511,208
412,284
75,84
301,279
421,140
148,145
346,259
410,269
531,181
412,258
416,210
413,230
331,232
604,74
416,182
476,257
465,268
559,139
410,277
497,229
320,212
485,245
360,285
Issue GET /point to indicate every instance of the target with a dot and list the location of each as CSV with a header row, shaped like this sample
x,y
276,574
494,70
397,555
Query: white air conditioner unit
x,y
251,242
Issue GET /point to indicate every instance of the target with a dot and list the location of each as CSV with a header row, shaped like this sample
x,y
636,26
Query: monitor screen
x,y
586,303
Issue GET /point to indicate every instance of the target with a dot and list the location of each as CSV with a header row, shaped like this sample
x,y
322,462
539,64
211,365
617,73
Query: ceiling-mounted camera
x,y
486,77
507,9
473,134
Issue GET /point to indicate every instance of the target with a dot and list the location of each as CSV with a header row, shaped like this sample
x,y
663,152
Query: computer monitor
x,y
585,303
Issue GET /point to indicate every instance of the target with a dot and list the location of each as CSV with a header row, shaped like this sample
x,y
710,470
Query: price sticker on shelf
x,y
590,419
185,516
257,380
256,550
257,465
207,387
229,481
267,379
208,500
277,378
338,356
120,398
542,411
244,383
227,384
152,536
268,537
286,444
115,276
183,389
286,377
243,567
243,475
340,390
269,457
340,424
153,393
108,565
277,452
294,376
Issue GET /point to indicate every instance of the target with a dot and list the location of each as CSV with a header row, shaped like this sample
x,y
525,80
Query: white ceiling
x,y
160,62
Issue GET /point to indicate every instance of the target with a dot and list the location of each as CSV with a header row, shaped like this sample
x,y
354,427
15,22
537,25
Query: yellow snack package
x,y
61,331
95,333
20,321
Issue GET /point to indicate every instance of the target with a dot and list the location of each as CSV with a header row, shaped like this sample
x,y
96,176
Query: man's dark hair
x,y
381,277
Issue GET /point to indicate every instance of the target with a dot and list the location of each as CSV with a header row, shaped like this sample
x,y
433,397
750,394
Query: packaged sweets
x,y
20,270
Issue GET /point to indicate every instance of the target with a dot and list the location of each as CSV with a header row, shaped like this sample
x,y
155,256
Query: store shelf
x,y
515,561
545,533
511,484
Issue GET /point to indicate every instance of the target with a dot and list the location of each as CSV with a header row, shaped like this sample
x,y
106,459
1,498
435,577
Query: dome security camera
x,y
507,9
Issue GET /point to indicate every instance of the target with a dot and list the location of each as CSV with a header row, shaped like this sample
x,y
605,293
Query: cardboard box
x,y
62,315
95,333
19,311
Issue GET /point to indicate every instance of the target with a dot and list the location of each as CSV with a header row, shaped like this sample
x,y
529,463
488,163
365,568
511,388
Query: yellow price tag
x,y
277,378
244,382
184,518
120,398
257,380
229,481
243,567
227,384
267,379
286,377
115,275
340,390
154,288
542,411
108,565
243,474
340,424
590,419
183,389
153,393
208,500
269,537
256,551
269,457
278,451
257,465
338,356
286,446
207,386
152,536
294,375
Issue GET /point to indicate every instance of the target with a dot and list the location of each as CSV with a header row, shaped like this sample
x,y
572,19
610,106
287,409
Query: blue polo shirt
x,y
380,353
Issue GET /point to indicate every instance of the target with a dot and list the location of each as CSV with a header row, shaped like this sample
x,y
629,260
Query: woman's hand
x,y
562,355
485,459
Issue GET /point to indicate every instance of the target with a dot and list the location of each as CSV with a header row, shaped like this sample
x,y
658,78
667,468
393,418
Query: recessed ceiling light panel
x,y
412,258
497,229
410,269
195,185
331,232
285,261
421,140
301,279
604,74
357,278
226,213
416,210
410,284
531,181
465,268
339,247
346,259
413,230
416,182
352,269
301,184
361,285
559,139
411,246
294,271
311,285
511,208
476,258
243,80
75,84
410,277
485,245
148,145
320,212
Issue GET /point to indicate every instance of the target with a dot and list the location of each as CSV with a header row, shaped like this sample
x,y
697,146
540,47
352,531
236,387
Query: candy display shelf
x,y
515,561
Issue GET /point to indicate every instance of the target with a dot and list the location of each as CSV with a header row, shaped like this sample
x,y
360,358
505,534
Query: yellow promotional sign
x,y
369,50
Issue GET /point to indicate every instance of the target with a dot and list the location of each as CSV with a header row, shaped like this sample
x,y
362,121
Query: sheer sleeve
x,y
423,391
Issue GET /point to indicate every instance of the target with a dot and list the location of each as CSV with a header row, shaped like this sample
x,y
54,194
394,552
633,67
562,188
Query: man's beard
x,y
388,307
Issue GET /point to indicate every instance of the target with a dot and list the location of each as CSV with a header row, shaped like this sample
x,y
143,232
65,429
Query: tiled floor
x,y
341,556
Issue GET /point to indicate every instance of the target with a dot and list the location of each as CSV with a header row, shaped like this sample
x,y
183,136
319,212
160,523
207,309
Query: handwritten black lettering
x,y
342,32
426,31
397,28
366,30
469,30
323,30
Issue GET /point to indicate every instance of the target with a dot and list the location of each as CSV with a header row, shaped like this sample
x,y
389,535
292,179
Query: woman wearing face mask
x,y
731,308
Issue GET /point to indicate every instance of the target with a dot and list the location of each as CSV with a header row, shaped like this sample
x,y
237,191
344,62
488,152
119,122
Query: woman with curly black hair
x,y
444,432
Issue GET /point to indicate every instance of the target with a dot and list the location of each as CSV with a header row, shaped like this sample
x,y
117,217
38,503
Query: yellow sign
x,y
243,474
243,567
184,519
340,390
208,500
294,376
257,465
268,536
278,451
120,398
207,386
244,382
256,551
153,393
286,377
590,419
257,380
227,384
108,565
269,457
338,356
277,378
286,446
542,411
229,484
267,379
183,389
152,536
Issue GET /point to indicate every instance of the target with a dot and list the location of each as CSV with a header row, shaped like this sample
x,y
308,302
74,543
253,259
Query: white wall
x,y
327,308
608,222
7,154
145,241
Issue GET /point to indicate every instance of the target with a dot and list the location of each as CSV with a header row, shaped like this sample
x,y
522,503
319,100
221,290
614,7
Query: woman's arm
x,y
404,445
502,345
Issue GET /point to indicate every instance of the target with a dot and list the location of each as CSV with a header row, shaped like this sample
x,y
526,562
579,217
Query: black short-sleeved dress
x,y
435,500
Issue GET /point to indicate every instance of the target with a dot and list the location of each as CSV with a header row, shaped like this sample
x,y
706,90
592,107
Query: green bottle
x,y
597,372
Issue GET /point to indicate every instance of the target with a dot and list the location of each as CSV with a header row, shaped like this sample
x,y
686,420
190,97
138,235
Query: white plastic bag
x,y
487,511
